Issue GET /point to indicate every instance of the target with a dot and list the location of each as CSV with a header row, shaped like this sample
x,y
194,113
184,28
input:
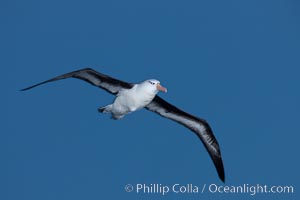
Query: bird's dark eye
x,y
151,82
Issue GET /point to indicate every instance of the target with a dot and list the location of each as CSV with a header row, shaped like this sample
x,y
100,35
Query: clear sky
x,y
234,63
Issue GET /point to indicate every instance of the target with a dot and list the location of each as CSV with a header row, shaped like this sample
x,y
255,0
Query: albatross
x,y
131,97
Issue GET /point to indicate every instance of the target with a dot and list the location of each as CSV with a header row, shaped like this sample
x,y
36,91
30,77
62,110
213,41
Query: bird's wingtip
x,y
221,173
24,89
222,178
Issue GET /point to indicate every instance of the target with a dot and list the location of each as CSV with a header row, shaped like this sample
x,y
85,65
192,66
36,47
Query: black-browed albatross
x,y
131,97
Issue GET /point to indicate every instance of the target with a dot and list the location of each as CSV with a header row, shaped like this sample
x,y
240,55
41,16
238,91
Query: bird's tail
x,y
105,109
108,109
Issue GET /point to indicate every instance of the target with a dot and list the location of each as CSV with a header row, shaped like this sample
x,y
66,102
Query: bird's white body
x,y
130,100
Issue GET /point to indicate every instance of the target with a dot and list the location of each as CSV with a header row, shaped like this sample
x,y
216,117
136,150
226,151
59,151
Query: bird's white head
x,y
154,85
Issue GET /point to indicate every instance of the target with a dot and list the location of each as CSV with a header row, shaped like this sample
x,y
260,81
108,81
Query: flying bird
x,y
131,97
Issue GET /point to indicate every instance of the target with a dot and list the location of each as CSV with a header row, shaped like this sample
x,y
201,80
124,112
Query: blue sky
x,y
233,63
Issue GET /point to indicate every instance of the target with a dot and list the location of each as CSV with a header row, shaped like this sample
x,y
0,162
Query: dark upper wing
x,y
197,125
89,75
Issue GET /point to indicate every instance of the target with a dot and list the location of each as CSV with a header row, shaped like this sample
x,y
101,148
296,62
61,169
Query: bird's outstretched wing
x,y
197,125
93,77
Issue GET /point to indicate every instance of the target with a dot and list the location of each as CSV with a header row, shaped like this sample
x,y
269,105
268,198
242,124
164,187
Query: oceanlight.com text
x,y
250,189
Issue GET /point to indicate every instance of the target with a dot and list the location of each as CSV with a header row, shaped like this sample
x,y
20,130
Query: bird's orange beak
x,y
161,88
